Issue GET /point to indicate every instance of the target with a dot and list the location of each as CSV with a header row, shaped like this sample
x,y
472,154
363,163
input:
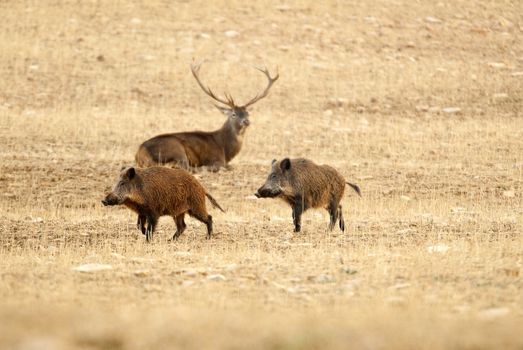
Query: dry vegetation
x,y
433,254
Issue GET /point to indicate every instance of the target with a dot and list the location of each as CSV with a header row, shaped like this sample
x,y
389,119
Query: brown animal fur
x,y
158,191
188,150
196,149
303,185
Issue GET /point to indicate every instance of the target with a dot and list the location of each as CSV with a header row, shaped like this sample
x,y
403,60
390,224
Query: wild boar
x,y
303,185
158,191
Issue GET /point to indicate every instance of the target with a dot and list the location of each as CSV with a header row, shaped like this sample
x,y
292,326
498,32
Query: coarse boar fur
x,y
158,191
303,185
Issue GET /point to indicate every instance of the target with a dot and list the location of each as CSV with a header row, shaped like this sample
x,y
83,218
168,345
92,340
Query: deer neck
x,y
230,140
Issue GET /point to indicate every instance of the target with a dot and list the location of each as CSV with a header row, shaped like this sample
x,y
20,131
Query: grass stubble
x,y
419,103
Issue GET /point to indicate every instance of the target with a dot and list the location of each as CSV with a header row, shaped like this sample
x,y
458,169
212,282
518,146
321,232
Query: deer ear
x,y
224,110
285,164
130,173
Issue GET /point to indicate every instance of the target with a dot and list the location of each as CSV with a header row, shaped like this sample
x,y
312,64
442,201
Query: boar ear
x,y
273,161
285,164
130,173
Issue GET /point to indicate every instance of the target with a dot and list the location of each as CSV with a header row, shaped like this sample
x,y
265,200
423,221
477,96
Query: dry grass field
x,y
418,102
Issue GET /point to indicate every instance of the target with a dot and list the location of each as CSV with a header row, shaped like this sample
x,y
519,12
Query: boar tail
x,y
355,188
214,202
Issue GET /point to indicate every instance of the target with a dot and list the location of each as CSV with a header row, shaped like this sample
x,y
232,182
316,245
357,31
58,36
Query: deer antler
x,y
195,69
266,91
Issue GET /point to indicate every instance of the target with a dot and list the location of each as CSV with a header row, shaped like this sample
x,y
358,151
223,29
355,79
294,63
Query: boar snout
x,y
264,192
110,200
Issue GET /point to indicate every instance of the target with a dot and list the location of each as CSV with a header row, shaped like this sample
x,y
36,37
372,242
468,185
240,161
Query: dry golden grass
x,y
432,258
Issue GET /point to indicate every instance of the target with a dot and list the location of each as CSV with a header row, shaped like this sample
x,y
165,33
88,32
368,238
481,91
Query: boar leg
x,y
209,226
205,218
141,223
151,224
342,222
297,209
334,213
180,225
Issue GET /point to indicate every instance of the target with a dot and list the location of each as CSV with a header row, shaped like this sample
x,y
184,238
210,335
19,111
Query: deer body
x,y
196,149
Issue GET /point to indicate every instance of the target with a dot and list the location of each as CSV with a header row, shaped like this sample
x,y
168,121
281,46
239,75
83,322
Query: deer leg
x,y
182,162
151,224
180,225
215,166
176,156
141,223
220,162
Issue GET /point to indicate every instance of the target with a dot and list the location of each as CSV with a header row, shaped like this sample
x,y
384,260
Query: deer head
x,y
238,116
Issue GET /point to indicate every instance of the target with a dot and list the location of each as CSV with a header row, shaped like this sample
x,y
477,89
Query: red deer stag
x,y
195,149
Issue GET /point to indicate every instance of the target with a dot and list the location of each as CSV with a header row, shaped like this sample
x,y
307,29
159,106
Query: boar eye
x,y
273,176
